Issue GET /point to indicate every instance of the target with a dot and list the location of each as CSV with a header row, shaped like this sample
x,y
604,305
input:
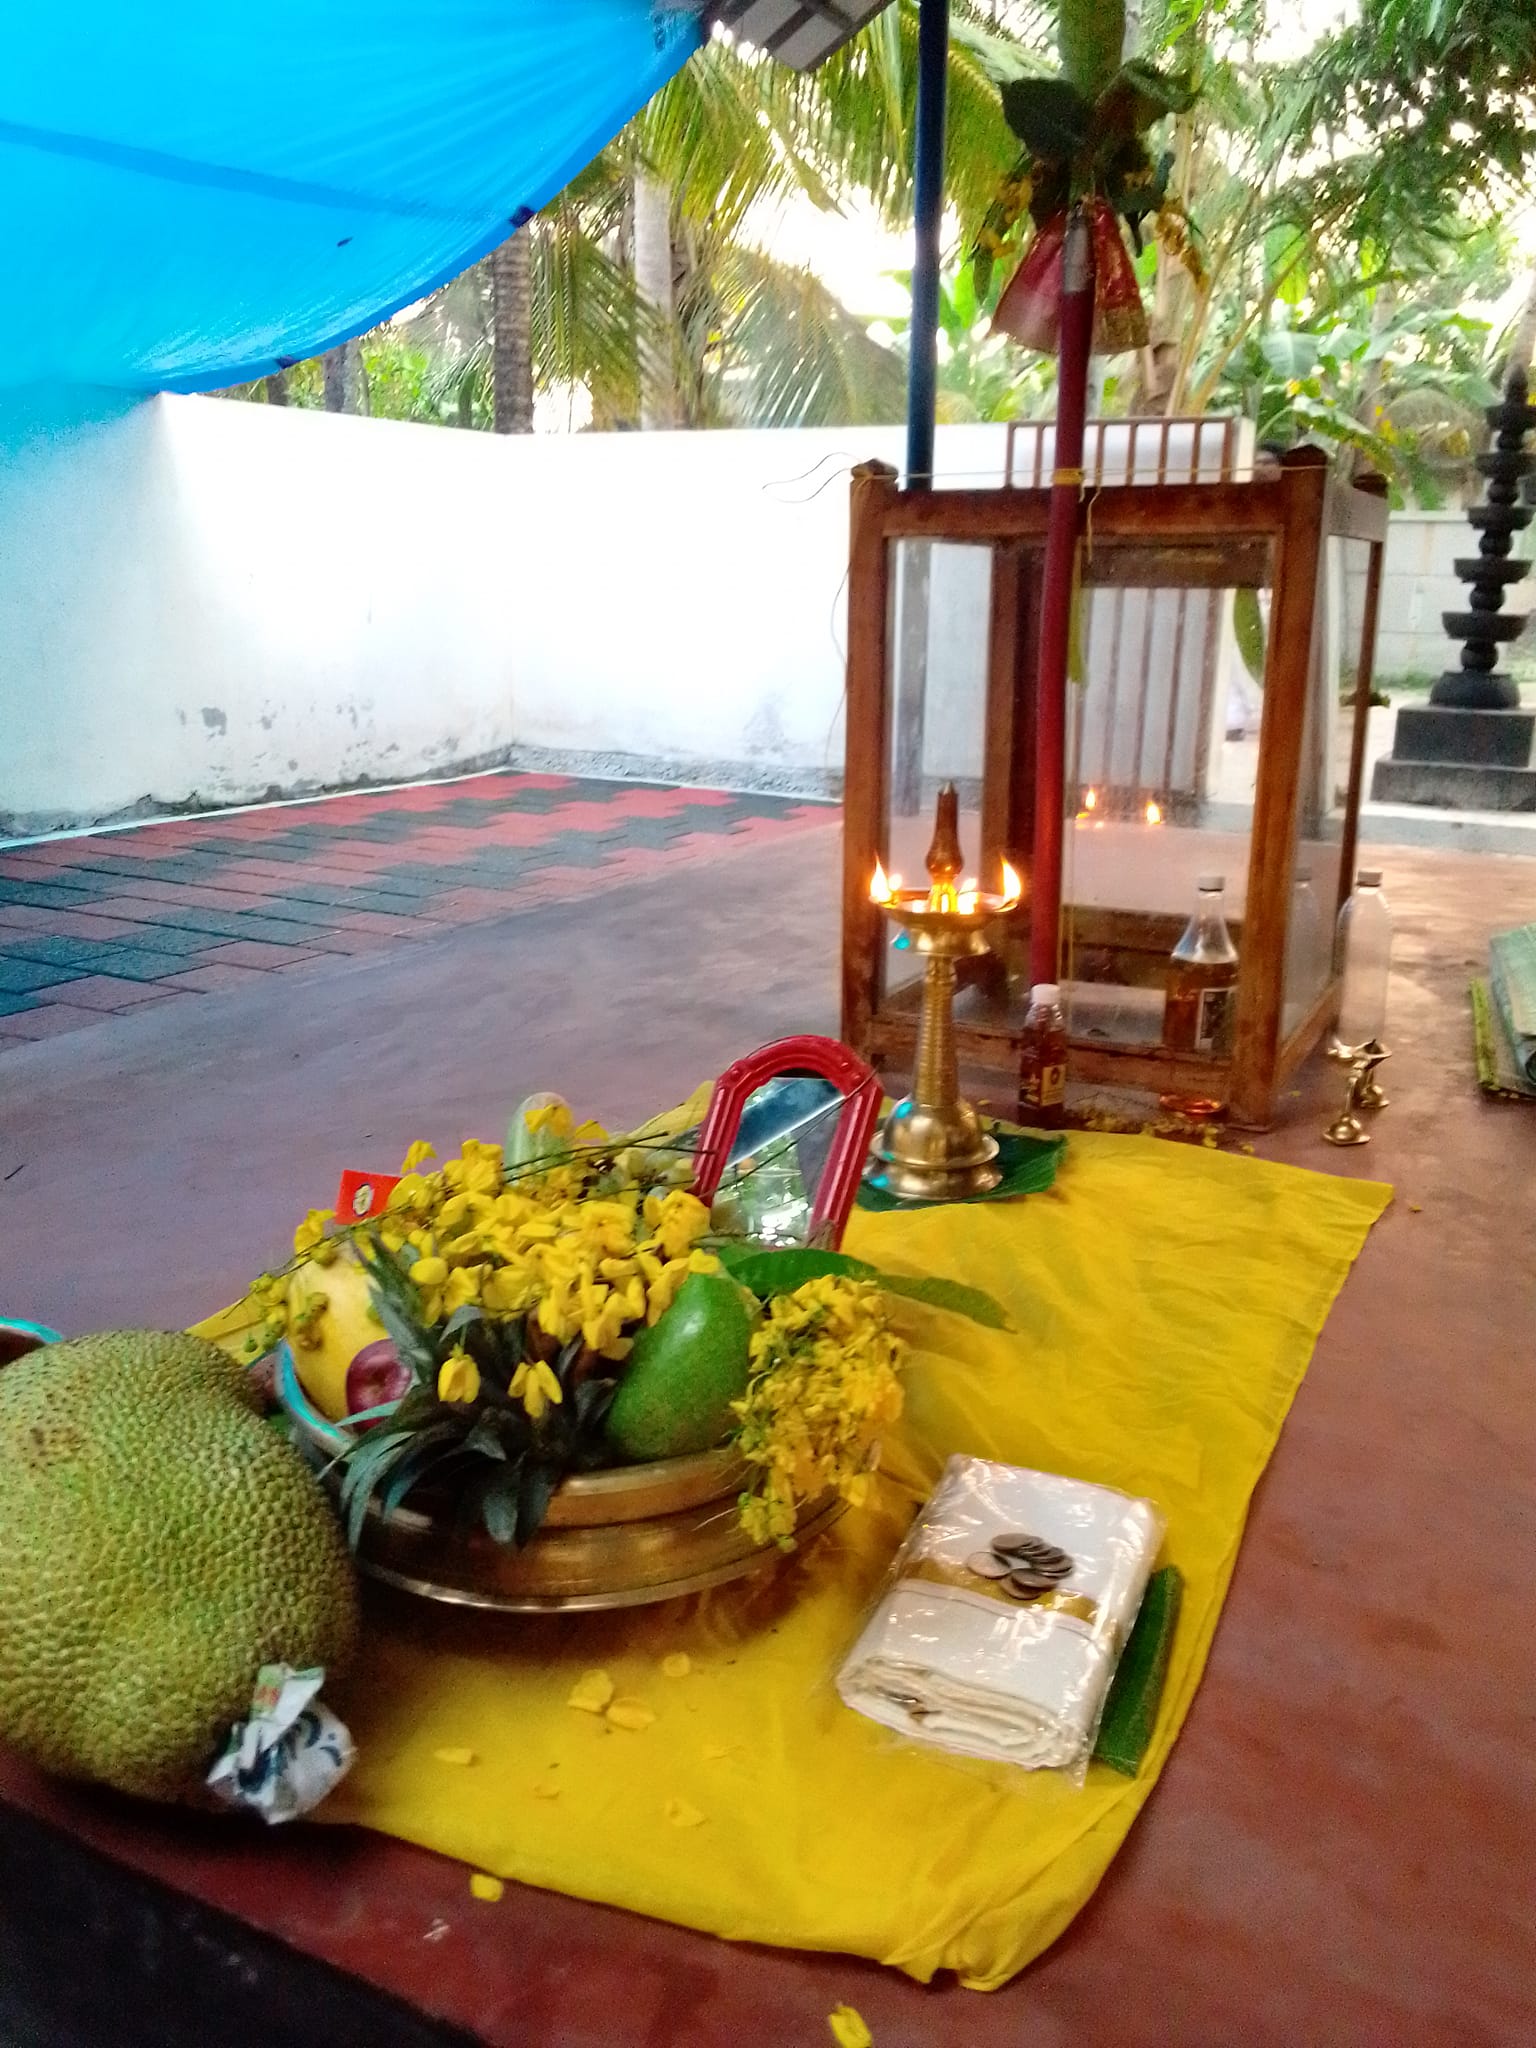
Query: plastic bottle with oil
x,y
1043,1060
1200,1010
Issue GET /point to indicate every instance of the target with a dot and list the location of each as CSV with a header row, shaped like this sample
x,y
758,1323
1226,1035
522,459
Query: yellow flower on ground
x,y
459,1379
488,1888
678,1665
631,1714
430,1272
418,1151
848,2028
591,1693
536,1387
312,1230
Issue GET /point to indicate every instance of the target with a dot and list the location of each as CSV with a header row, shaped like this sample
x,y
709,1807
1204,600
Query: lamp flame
x,y
1013,887
1154,814
882,889
1090,799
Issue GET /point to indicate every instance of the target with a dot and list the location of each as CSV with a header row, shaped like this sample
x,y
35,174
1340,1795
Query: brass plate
x,y
625,1564
622,1537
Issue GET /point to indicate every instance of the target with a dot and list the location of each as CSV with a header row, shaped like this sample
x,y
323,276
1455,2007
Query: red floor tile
x,y
464,906
107,992
255,953
335,942
215,980
49,1021
384,925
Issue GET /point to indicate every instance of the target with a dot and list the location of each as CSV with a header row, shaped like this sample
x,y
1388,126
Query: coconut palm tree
x,y
650,282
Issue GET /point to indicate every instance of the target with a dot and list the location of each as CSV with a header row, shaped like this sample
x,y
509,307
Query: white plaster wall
x,y
208,603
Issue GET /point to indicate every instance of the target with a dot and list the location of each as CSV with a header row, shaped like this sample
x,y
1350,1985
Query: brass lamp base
x,y
928,1154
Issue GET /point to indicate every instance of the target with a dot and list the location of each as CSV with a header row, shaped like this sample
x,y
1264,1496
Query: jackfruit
x,y
159,1543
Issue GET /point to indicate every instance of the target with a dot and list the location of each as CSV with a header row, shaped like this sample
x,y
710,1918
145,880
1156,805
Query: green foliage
x,y
766,1273
982,376
1402,390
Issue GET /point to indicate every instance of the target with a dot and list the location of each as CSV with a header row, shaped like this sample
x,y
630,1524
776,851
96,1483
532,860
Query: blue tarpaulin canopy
x,y
197,194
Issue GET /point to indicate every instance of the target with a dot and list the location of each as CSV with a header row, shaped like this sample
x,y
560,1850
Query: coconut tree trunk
x,y
512,335
654,284
342,373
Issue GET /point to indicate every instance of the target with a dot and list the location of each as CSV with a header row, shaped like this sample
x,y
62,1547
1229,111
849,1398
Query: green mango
x,y
684,1373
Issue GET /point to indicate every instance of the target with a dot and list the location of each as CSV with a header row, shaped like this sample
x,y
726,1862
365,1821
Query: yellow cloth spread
x,y
1165,1301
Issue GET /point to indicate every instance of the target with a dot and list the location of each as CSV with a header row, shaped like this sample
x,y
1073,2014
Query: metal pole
x,y
928,208
1077,294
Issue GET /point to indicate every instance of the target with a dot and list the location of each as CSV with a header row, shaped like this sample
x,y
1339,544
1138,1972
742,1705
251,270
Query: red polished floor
x,y
1338,1852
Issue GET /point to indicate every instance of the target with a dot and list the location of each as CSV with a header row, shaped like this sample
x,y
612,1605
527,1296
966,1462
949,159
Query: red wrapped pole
x,y
1077,296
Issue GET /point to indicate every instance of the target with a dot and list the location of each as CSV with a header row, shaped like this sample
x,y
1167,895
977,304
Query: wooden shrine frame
x,y
1213,535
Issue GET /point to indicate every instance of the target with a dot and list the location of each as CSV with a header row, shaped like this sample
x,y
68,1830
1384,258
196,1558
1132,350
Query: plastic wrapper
x,y
1004,1614
288,1754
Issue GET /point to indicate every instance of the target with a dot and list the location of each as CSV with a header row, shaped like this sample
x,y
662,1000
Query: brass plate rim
x,y
487,1600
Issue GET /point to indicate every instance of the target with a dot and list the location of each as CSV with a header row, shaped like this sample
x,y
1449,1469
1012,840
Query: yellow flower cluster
x,y
591,1253
587,1265
823,1391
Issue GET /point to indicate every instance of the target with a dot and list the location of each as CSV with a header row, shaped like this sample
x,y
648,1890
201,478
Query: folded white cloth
x,y
1007,1667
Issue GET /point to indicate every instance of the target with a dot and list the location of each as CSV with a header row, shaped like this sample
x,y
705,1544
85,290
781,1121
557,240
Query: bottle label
x,y
1045,1086
1214,1026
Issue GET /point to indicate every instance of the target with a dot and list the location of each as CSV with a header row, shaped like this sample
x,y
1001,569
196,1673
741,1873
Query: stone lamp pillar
x,y
1471,747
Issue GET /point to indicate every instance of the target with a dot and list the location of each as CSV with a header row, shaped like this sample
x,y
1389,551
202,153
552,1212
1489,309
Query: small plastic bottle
x,y
1365,960
1043,1060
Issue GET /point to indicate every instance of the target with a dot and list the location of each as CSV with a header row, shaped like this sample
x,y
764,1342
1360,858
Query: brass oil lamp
x,y
932,1147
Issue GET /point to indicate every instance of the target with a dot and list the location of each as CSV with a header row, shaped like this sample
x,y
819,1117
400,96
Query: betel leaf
x,y
1049,116
948,1294
780,1272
